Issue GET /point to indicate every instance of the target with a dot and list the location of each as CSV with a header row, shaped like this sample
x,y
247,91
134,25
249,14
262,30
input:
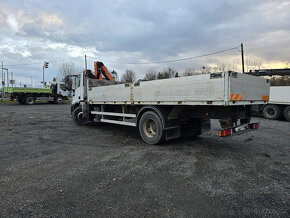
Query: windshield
x,y
62,87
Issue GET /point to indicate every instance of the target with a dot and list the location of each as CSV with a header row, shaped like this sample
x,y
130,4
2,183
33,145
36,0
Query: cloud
x,y
146,30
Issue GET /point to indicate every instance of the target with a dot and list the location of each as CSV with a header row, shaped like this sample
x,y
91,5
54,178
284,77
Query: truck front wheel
x,y
30,100
59,100
78,116
272,112
151,128
287,113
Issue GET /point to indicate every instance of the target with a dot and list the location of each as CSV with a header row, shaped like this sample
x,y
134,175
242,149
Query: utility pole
x,y
86,66
2,83
243,62
5,76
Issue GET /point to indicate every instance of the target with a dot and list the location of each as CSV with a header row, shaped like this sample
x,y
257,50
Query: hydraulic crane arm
x,y
271,72
101,70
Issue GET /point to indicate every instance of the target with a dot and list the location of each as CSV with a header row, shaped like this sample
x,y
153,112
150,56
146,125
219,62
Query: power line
x,y
133,63
168,61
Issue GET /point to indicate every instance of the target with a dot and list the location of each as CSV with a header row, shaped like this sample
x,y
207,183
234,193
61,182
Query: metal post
x,y
7,78
242,53
2,83
43,75
12,82
2,93
2,80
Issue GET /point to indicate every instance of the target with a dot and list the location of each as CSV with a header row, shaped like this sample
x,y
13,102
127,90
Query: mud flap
x,y
172,133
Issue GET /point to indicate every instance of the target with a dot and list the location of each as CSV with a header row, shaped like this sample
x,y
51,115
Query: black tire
x,y
21,100
287,113
77,116
30,100
151,128
272,112
59,100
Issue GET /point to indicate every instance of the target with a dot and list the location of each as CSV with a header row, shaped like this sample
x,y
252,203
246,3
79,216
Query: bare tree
x,y
167,73
223,67
253,64
280,81
115,75
67,68
151,75
128,77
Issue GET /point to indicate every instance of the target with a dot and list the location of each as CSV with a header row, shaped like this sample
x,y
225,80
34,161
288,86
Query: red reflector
x,y
256,125
225,132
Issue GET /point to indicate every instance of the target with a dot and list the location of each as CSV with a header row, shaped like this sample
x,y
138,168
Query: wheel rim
x,y
30,100
271,112
150,128
59,100
80,115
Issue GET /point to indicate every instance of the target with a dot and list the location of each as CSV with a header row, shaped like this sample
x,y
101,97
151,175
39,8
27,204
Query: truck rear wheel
x,y
78,116
287,113
272,112
30,100
151,128
21,100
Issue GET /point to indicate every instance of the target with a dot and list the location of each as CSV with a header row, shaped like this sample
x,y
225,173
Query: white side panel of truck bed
x,y
191,90
206,89
181,90
245,88
280,95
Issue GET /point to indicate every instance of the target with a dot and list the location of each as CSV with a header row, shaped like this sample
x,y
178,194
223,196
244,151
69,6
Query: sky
x,y
143,31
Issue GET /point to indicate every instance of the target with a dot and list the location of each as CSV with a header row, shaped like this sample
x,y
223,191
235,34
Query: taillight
x,y
256,125
225,132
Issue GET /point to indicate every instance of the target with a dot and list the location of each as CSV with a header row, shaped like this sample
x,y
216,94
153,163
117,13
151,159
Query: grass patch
x,y
7,101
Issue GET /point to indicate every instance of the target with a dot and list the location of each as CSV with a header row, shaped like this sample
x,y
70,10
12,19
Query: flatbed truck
x,y
55,93
170,108
279,103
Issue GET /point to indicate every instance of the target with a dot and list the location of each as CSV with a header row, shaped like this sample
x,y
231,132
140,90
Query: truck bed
x,y
14,90
280,95
227,88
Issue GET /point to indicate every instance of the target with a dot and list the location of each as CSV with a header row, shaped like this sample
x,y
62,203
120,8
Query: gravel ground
x,y
51,167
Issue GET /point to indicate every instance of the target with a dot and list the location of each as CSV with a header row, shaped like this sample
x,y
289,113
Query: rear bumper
x,y
239,129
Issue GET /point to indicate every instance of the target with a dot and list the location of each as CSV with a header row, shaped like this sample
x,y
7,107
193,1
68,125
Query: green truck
x,y
55,93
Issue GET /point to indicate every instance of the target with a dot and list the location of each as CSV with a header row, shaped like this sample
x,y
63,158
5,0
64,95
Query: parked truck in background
x,y
55,93
279,103
168,108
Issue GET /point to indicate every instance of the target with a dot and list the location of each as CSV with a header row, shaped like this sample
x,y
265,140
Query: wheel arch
x,y
157,110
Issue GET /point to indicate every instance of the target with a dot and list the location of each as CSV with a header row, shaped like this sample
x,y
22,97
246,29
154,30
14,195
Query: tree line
x,y
129,76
